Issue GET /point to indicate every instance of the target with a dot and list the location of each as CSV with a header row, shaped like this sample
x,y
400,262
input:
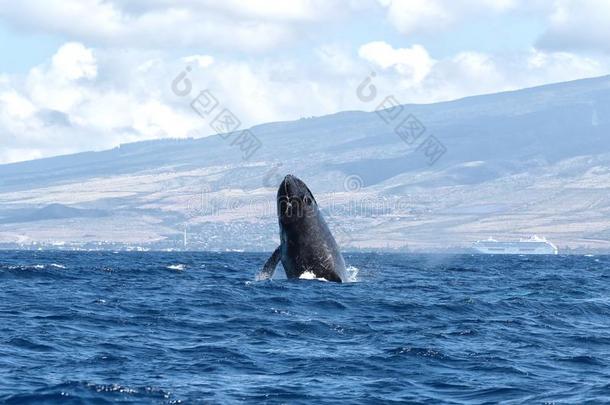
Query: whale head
x,y
294,200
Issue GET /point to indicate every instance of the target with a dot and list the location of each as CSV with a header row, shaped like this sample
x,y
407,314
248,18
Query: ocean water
x,y
196,327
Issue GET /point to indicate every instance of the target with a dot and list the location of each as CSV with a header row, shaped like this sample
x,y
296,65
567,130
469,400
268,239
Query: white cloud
x,y
572,25
578,25
413,76
255,25
432,16
295,10
202,61
64,106
73,61
16,106
336,59
417,15
64,16
94,98
470,73
413,63
53,85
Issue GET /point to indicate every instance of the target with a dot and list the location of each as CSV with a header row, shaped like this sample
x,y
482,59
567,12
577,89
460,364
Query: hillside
x,y
533,161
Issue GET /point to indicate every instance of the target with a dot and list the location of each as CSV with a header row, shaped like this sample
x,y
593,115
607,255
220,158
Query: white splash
x,y
352,274
308,275
57,266
261,277
177,267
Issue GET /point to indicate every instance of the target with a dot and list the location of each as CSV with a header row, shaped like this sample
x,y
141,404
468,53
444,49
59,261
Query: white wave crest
x,y
177,267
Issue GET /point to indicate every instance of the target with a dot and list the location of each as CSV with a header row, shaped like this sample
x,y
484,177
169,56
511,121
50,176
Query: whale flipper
x,y
270,265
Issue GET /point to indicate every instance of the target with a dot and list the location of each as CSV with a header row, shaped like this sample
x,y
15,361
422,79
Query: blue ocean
x,y
197,328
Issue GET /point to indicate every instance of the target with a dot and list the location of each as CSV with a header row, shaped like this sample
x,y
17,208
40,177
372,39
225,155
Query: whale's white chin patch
x,y
308,275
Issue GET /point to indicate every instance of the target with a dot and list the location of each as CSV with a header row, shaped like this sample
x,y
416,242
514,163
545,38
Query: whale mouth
x,y
288,180
294,199
291,187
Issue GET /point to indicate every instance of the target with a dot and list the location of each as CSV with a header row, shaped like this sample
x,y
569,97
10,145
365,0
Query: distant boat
x,y
531,246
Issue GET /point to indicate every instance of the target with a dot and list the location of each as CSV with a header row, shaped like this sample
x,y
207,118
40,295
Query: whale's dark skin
x,y
307,245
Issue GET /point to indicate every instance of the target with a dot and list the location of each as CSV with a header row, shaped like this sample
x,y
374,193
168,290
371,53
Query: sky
x,y
79,75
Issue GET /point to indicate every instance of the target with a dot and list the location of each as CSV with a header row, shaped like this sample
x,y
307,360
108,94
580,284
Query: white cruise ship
x,y
531,246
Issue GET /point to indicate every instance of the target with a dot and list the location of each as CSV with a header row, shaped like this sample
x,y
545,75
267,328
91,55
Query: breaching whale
x,y
306,243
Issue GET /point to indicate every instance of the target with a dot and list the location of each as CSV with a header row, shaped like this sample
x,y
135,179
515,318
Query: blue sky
x,y
25,49
91,74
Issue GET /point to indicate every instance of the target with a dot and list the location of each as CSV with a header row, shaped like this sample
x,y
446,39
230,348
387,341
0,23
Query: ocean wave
x,y
87,392
129,330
